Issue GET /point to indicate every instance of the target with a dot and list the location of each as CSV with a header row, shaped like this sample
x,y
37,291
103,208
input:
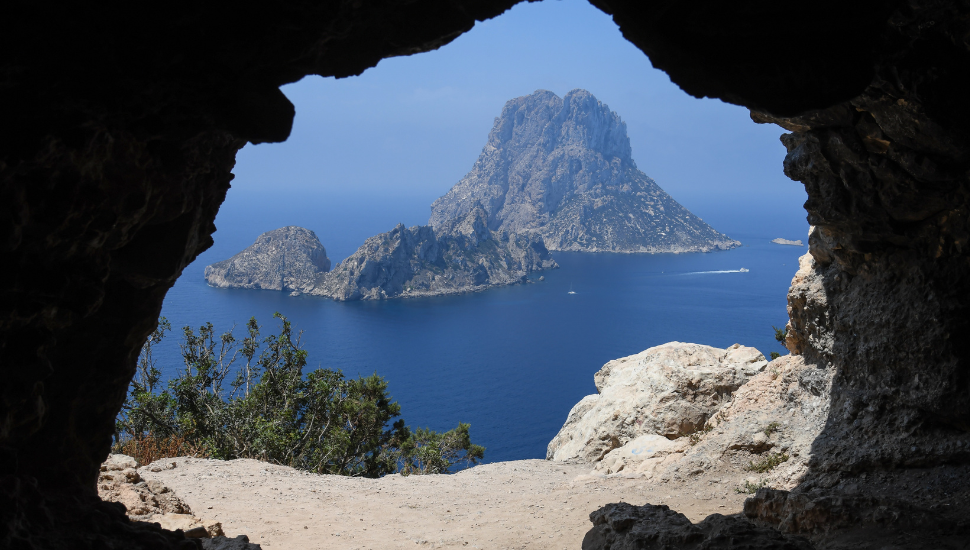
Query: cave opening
x,y
121,136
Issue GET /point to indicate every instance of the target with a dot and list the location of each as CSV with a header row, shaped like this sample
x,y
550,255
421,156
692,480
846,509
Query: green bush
x,y
780,335
253,401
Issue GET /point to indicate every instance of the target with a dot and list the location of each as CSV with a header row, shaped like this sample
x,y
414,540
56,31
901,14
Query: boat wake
x,y
742,270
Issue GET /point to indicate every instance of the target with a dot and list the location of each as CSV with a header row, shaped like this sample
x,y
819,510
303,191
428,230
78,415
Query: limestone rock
x,y
120,482
643,455
289,258
668,390
460,255
780,410
116,462
150,501
563,167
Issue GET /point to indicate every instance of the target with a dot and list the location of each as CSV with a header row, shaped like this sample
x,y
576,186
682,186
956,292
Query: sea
x,y
511,361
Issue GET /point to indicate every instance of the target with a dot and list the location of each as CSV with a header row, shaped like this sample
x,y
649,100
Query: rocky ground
x,y
535,504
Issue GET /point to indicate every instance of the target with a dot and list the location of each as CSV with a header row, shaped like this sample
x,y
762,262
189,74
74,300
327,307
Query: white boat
x,y
743,270
571,291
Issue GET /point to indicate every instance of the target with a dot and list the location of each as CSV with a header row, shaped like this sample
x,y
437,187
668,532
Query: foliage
x,y
253,401
768,463
771,428
780,335
751,488
429,452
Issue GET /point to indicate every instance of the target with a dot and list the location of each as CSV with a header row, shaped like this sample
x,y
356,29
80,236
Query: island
x,y
289,259
460,256
563,168
555,174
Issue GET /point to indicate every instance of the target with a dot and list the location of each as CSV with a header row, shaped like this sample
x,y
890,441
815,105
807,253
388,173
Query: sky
x,y
370,151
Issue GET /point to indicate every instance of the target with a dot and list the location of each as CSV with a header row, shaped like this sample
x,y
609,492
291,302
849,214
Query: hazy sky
x,y
410,128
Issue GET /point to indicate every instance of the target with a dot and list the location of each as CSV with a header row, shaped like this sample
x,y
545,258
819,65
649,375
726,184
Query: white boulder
x,y
669,390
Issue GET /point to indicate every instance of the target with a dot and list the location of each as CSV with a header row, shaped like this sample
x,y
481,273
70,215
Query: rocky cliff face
x,y
461,255
289,258
562,167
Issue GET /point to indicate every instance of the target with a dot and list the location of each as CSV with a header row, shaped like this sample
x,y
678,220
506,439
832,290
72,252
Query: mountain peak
x,y
563,168
577,120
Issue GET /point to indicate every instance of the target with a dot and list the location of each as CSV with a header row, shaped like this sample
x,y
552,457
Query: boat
x,y
571,291
743,270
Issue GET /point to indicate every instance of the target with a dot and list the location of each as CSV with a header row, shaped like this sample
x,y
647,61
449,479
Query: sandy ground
x,y
534,504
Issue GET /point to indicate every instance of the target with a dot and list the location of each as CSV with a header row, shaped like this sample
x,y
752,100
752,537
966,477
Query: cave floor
x,y
520,504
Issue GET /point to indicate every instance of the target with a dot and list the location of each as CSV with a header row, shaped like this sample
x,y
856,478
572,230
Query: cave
x,y
119,138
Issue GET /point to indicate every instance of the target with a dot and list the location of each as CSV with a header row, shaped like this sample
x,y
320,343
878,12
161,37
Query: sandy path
x,y
532,504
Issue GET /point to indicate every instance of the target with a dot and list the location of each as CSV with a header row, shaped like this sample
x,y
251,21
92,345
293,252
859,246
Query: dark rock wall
x,y
883,301
888,181
120,129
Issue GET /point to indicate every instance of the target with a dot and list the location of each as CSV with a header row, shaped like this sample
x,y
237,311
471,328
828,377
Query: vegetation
x,y
771,428
751,488
768,463
254,401
780,335
695,437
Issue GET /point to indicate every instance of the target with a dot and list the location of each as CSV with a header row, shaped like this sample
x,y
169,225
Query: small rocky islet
x,y
555,174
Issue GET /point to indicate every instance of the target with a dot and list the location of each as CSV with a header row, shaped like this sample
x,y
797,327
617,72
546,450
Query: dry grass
x,y
149,448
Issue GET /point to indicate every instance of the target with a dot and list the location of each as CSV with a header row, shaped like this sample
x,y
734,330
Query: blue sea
x,y
510,361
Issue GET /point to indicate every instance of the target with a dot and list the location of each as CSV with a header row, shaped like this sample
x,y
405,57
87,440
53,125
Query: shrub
x,y
149,448
751,488
429,452
780,335
320,422
768,463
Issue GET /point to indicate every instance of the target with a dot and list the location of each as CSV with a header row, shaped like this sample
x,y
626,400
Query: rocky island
x,y
289,258
563,168
556,174
458,256
461,255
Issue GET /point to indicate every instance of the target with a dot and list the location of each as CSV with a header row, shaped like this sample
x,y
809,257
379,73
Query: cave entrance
x,y
372,151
